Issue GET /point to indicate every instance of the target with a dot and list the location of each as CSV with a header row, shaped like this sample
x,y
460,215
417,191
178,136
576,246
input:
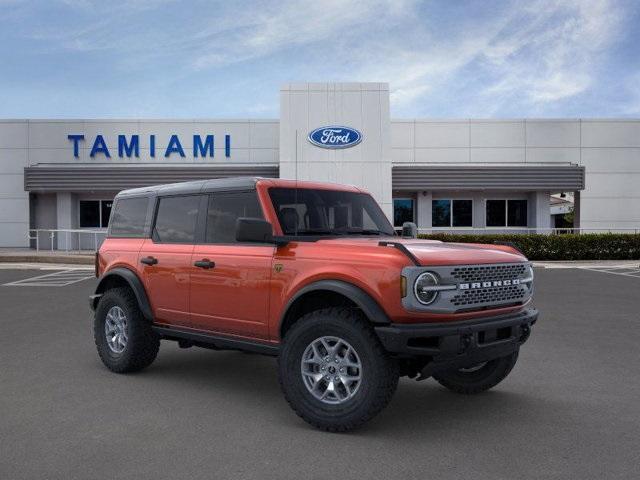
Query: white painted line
x,y
635,273
56,279
595,264
43,266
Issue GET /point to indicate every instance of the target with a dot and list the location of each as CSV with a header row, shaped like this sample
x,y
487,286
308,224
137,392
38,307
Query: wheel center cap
x,y
332,370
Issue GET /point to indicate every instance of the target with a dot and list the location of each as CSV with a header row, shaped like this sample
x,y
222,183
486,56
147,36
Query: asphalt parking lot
x,y
570,408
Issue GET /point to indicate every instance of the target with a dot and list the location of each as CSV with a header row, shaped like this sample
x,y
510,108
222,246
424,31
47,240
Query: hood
x,y
441,253
435,252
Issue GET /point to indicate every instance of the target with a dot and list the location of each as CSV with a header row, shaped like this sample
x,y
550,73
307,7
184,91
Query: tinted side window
x,y
129,217
224,209
176,219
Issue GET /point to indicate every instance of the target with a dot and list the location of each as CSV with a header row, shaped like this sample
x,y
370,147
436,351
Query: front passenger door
x,y
230,280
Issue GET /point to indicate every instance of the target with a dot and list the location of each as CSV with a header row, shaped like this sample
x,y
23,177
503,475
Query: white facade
x,y
609,151
363,106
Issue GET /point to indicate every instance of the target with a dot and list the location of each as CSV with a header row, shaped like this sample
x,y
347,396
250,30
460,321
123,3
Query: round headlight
x,y
422,290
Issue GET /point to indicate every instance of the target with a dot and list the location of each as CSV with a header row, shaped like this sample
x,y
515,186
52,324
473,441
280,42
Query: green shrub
x,y
586,246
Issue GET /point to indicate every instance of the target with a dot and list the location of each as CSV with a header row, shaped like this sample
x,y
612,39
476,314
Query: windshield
x,y
305,211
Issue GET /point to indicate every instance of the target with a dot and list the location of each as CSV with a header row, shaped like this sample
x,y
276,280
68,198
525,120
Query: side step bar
x,y
216,342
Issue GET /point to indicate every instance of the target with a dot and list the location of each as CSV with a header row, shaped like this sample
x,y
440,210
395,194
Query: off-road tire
x,y
379,372
142,344
487,377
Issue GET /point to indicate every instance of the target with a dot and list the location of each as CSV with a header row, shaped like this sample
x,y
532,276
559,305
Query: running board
x,y
217,342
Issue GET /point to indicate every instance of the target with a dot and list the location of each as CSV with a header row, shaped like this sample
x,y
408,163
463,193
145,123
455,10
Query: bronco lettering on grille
x,y
495,283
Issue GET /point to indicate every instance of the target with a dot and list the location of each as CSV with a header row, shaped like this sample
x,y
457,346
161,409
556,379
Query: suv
x,y
313,274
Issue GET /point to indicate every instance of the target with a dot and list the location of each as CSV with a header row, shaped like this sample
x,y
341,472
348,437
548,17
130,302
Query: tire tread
x,y
388,374
143,343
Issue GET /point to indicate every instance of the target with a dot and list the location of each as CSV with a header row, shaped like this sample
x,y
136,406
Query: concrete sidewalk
x,y
29,255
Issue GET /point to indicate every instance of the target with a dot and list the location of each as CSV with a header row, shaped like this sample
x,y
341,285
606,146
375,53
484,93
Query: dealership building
x,y
445,175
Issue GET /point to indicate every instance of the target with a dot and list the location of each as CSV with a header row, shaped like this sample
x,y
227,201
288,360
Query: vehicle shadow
x,y
250,381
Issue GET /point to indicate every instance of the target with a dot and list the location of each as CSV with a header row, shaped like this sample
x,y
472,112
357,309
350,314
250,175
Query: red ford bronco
x,y
311,273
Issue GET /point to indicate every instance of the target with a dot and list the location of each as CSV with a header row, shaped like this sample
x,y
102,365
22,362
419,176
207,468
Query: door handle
x,y
204,263
149,260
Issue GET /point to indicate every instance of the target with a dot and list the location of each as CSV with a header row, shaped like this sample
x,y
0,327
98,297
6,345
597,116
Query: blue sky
x,y
206,59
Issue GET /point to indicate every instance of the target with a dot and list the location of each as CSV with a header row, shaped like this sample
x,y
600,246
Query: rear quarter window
x,y
128,217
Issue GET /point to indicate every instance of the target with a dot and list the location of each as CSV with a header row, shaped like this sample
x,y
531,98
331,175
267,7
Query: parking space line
x,y
56,279
624,271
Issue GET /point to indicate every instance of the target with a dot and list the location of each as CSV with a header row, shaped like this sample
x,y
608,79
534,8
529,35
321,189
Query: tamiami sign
x,y
129,146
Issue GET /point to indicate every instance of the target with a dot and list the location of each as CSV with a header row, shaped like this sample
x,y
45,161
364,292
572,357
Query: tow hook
x,y
465,341
525,332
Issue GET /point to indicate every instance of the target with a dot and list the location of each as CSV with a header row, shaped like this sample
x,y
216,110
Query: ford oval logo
x,y
335,137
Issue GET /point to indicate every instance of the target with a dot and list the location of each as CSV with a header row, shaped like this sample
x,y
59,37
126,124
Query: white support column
x,y
363,106
539,211
479,210
423,209
67,212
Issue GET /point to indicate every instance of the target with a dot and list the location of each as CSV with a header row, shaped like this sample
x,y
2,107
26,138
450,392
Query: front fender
x,y
362,299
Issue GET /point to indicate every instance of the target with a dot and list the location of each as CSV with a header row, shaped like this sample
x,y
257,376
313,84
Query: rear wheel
x,y
333,371
478,378
123,337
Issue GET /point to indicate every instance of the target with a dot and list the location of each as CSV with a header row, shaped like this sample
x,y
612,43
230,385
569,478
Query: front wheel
x,y
477,378
333,371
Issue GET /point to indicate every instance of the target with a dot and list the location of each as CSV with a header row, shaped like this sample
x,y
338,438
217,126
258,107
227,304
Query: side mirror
x,y
409,230
253,230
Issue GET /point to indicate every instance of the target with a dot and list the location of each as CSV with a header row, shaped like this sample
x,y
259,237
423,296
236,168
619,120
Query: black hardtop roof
x,y
195,186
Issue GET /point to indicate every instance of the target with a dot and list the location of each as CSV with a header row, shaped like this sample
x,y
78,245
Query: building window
x,y
506,213
517,213
403,209
95,213
452,213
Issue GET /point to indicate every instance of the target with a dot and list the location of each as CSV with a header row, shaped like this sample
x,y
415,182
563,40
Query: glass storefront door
x,y
403,211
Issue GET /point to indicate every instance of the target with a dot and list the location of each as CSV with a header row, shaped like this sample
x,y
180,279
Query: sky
x,y
228,59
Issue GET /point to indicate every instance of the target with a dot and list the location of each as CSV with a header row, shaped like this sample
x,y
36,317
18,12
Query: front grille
x,y
480,273
515,293
465,288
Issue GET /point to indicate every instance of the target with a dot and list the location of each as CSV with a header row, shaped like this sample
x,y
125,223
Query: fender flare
x,y
134,283
362,299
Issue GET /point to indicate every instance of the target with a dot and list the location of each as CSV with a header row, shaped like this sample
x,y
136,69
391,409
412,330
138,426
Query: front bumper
x,y
459,344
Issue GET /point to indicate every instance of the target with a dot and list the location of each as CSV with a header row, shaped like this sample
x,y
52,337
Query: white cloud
x,y
283,25
555,56
533,53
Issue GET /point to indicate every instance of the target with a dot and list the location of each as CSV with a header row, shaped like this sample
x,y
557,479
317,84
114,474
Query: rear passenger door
x,y
165,258
230,280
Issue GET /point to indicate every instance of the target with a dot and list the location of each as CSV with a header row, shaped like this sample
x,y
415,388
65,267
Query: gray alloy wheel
x,y
331,370
116,331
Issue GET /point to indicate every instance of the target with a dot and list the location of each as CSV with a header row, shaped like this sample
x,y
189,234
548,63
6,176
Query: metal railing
x,y
524,230
65,238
